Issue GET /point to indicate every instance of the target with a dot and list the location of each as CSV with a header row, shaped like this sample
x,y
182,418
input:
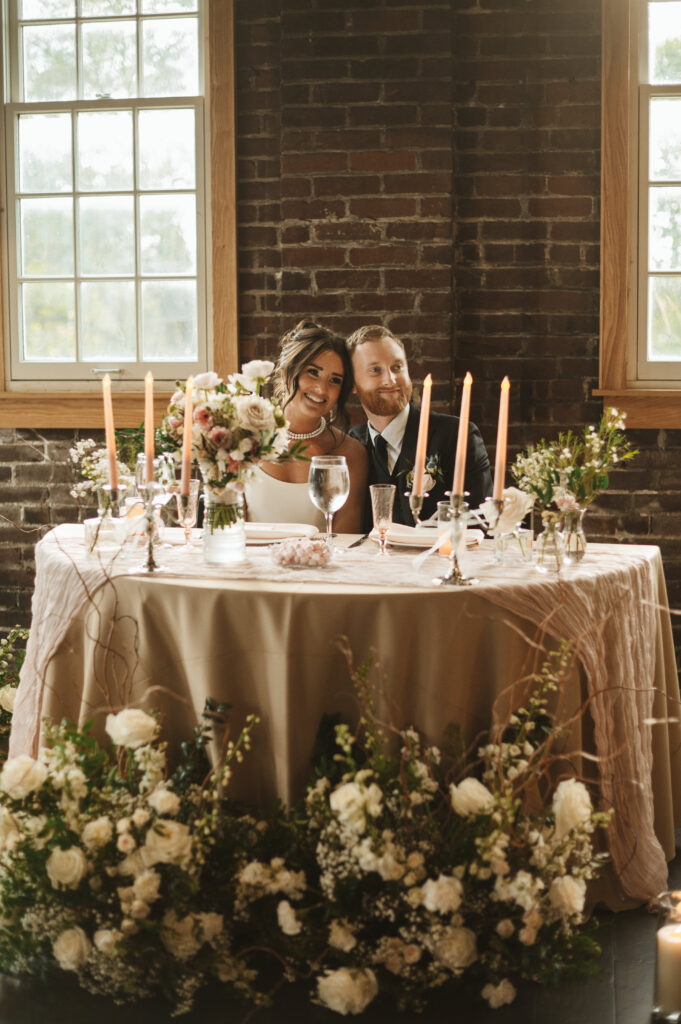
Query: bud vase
x,y
548,547
224,533
574,539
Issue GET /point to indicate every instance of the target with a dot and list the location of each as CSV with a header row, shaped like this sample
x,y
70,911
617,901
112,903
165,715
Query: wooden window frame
x,y
83,409
646,407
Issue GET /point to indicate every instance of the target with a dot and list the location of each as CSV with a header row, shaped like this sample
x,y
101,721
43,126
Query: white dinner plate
x,y
256,533
410,537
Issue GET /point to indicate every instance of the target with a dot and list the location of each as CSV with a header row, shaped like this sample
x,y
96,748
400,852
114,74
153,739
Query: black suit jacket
x,y
442,434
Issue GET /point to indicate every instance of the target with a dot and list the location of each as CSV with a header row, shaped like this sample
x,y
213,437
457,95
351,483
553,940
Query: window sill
x,y
74,410
646,409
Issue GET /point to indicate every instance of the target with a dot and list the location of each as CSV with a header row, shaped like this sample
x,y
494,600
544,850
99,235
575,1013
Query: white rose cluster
x,y
571,806
71,949
131,728
471,797
442,895
22,775
347,990
66,868
351,802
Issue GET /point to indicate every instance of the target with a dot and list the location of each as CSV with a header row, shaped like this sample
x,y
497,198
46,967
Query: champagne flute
x,y
187,511
382,501
328,485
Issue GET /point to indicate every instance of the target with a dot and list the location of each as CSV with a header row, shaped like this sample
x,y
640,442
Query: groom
x,y
384,388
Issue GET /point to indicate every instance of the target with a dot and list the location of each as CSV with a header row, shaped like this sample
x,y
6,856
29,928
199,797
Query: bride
x,y
312,381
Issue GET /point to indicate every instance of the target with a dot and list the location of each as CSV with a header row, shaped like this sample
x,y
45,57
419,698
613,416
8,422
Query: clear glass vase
x,y
549,547
224,532
574,539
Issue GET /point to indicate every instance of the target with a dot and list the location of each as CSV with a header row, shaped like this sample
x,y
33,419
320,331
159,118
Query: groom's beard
x,y
385,403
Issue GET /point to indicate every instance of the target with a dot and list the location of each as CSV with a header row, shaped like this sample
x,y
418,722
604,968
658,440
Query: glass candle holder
x,y
667,1004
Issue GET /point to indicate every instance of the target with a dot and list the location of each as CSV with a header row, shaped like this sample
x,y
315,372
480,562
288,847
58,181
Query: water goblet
x,y
382,501
328,485
188,511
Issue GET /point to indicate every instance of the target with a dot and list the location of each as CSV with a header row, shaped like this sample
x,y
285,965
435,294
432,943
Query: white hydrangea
x,y
347,990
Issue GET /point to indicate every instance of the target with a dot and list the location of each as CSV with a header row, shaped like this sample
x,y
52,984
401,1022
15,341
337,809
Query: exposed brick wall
x,y
434,166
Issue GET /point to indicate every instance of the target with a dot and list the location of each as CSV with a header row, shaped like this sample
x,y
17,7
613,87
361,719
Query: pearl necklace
x,y
313,433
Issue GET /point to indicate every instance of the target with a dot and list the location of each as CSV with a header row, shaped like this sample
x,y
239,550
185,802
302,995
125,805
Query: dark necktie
x,y
381,450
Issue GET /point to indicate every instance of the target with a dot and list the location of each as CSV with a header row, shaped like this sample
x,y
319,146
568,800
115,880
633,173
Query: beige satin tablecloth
x,y
270,646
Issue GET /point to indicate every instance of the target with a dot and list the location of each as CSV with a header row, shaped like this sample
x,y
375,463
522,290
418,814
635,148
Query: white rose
x,y
66,868
126,843
571,806
341,937
168,842
347,802
347,990
164,802
207,380
7,698
471,797
257,369
71,949
567,894
21,776
97,833
131,728
499,995
147,885
254,413
286,918
455,948
442,895
106,939
9,833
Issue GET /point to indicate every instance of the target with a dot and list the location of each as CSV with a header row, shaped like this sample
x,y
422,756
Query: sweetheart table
x,y
265,640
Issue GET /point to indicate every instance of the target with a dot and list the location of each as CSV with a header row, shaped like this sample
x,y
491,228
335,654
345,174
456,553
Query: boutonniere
x,y
433,473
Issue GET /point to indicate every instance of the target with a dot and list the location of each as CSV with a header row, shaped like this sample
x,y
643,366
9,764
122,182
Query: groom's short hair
x,y
372,332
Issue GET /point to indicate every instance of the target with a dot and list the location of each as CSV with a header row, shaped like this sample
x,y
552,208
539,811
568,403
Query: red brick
x,y
336,186
381,161
382,255
377,207
313,163
313,256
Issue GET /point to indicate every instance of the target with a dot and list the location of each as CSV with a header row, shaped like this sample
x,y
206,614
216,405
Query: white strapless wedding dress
x,y
269,500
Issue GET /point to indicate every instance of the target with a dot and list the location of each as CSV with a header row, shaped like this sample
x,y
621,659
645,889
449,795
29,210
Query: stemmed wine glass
x,y
328,485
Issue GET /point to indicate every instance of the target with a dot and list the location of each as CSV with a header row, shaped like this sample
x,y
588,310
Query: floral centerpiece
x,y
234,427
565,476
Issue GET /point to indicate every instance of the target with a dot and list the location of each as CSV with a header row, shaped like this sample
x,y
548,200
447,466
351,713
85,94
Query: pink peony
x,y
203,417
220,436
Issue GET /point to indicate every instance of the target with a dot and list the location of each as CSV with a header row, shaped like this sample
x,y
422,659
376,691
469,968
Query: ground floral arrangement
x,y
406,867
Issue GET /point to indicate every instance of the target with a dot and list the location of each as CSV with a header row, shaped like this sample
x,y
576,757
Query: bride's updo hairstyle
x,y
299,348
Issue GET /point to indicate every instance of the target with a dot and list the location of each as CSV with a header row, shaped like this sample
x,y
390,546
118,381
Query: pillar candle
x,y
109,432
502,437
187,437
668,986
462,439
149,425
422,442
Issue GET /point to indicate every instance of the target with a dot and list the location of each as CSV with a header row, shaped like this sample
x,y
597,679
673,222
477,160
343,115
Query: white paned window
x,y
106,199
658,346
